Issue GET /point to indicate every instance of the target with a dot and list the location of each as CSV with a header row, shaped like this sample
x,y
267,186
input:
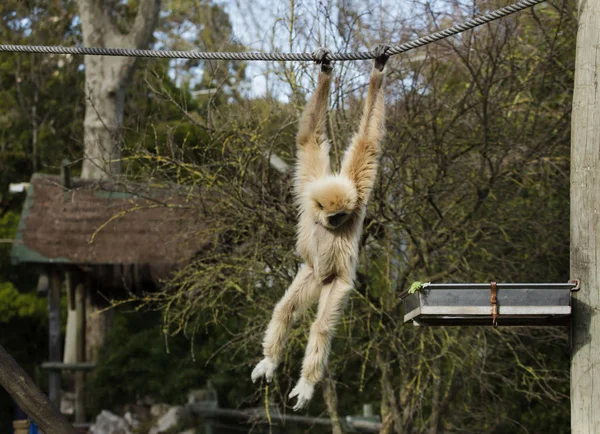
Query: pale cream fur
x,y
332,208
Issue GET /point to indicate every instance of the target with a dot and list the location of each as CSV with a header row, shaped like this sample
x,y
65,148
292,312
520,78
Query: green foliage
x,y
41,102
139,361
473,186
15,304
8,228
416,286
41,98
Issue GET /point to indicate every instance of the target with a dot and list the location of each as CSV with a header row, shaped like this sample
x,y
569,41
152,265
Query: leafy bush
x,y
138,361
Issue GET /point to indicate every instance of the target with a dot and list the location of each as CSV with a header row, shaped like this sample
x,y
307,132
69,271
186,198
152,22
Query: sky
x,y
262,25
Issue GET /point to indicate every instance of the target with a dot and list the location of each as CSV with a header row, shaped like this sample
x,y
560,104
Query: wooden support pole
x,y
80,375
30,398
585,223
54,346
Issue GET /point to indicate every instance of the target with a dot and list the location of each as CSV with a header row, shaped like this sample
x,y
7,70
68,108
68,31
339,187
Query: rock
x,y
140,414
109,423
131,420
67,402
203,398
167,421
158,410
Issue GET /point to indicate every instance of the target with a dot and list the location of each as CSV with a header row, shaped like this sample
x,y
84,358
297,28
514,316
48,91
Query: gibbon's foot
x,y
321,58
265,368
381,56
304,391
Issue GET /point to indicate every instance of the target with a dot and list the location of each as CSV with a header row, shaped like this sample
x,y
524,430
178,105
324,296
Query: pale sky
x,y
262,25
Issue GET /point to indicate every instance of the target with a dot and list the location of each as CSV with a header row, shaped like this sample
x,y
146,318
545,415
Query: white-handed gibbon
x,y
332,208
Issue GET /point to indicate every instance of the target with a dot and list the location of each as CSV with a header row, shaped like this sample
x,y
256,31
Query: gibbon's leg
x,y
303,291
361,158
331,305
312,144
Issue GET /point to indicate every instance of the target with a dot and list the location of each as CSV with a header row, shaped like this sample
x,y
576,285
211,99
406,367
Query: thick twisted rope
x,y
174,54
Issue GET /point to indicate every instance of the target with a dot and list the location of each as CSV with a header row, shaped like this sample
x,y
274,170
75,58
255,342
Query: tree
x,y
473,186
107,78
108,24
41,114
40,95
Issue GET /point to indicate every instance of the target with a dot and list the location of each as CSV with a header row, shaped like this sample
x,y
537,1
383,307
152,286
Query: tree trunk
x,y
585,224
331,400
106,81
103,121
387,391
437,397
97,324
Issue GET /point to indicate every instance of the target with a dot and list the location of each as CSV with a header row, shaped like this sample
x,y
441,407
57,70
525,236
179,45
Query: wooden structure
x,y
506,304
31,399
585,223
105,238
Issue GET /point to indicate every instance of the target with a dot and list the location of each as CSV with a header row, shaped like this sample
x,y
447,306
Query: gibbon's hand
x,y
321,58
265,368
382,58
303,392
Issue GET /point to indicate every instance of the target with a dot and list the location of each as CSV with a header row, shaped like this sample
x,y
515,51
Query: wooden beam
x,y
54,346
60,366
30,398
80,375
585,223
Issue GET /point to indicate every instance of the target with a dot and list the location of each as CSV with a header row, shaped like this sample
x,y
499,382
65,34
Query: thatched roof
x,y
99,223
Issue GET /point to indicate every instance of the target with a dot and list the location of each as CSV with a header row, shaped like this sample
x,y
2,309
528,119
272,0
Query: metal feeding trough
x,y
505,304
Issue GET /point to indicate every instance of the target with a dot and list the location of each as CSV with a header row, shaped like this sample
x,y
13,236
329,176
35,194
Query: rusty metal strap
x,y
494,303
577,284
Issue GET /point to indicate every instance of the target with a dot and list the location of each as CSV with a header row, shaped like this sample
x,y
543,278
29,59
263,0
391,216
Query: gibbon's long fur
x,y
332,208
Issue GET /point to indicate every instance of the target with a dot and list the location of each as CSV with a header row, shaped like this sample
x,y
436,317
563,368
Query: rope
x,y
171,54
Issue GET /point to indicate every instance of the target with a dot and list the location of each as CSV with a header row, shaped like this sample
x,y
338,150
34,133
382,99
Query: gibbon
x,y
332,208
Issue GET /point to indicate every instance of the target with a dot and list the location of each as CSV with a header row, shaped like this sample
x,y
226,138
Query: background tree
x,y
41,122
109,24
473,186
41,114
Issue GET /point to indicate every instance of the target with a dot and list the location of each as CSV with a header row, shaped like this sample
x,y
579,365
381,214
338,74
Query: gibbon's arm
x,y
361,158
312,143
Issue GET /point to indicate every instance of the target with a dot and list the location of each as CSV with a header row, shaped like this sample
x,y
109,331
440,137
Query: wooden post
x,y
54,346
585,224
31,399
80,375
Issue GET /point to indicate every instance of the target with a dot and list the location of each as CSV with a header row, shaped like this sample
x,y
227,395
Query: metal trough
x,y
515,304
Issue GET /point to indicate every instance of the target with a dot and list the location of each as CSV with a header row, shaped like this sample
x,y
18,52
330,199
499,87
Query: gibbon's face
x,y
332,201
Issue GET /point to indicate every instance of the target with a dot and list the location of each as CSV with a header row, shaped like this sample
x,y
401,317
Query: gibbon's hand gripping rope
x,y
170,54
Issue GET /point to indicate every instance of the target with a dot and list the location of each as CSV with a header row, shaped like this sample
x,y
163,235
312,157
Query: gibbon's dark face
x,y
332,201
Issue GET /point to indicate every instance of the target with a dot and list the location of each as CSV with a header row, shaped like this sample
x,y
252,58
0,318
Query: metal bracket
x,y
577,286
494,302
